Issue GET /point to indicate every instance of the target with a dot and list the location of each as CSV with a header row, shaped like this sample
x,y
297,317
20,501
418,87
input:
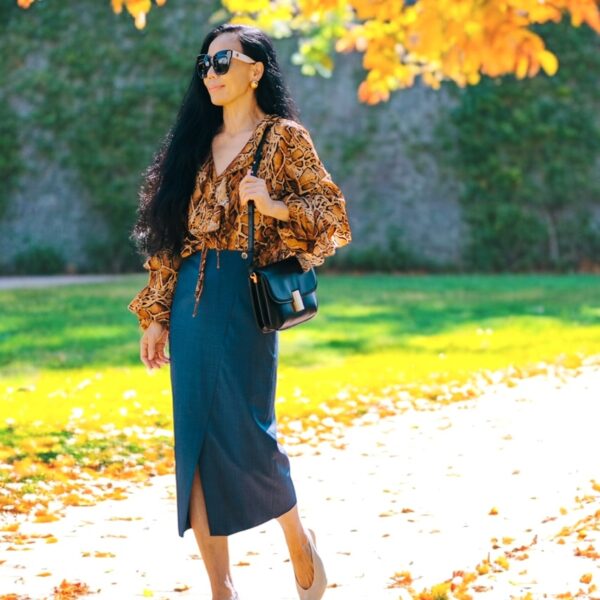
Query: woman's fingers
x,y
252,187
247,187
247,184
159,351
148,353
144,351
152,349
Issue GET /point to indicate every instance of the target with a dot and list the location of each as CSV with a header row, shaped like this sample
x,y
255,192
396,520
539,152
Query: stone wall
x,y
401,197
383,157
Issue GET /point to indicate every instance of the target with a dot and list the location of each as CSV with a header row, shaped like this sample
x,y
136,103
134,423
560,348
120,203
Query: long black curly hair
x,y
169,180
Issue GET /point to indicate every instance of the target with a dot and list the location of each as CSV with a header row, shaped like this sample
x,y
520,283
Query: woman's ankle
x,y
228,592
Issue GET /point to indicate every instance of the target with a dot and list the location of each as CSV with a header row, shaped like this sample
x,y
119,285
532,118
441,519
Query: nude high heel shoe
x,y
319,583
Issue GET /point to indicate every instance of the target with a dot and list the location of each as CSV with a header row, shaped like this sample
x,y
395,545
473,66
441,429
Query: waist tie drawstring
x,y
200,280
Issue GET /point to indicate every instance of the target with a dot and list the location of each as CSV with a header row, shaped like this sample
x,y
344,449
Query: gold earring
x,y
254,84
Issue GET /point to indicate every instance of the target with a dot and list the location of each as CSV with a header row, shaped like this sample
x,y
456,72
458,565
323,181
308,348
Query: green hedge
x,y
97,95
526,153
100,95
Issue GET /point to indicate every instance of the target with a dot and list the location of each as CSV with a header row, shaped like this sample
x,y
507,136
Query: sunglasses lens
x,y
202,65
221,62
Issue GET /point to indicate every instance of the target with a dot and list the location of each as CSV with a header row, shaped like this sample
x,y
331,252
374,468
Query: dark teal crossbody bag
x,y
283,295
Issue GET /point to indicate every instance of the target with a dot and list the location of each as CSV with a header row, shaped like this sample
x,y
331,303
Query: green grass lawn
x,y
371,330
519,317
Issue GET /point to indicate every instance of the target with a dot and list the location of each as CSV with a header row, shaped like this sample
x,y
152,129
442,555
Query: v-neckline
x,y
235,159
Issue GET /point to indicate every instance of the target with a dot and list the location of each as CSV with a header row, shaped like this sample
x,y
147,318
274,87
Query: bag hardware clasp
x,y
297,302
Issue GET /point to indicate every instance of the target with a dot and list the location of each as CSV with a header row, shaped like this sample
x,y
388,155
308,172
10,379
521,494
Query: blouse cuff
x,y
313,233
148,311
153,301
293,232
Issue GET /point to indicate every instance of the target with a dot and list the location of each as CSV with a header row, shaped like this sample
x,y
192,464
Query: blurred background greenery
x,y
502,176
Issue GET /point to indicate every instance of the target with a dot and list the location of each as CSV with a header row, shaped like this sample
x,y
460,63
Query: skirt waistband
x,y
201,269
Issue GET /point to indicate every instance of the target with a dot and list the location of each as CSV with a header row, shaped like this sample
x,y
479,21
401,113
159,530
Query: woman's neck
x,y
236,121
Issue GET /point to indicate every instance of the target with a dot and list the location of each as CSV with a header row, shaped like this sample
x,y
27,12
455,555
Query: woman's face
x,y
227,88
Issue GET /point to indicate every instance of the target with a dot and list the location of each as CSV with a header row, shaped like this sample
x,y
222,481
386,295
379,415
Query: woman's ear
x,y
258,70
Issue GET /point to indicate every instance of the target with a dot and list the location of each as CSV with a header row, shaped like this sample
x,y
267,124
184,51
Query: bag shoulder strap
x,y
257,157
258,153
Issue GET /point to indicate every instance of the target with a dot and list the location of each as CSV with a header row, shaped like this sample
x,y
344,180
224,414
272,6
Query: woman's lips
x,y
215,87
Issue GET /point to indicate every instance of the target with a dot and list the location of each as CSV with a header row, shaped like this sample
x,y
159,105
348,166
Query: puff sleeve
x,y
153,302
318,222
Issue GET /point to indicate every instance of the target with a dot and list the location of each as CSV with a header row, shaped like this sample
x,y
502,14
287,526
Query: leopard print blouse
x,y
318,222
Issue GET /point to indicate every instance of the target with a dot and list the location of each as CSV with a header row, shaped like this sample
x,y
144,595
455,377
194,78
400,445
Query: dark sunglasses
x,y
220,61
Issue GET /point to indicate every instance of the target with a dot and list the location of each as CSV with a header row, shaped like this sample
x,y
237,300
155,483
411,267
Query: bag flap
x,y
285,276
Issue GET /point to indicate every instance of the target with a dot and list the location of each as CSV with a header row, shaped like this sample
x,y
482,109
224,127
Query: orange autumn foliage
x,y
458,40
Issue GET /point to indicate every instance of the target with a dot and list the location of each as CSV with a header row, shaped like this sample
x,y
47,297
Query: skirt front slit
x,y
223,381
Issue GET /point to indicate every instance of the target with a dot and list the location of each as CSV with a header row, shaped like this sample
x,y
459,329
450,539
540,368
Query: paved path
x,y
32,281
412,492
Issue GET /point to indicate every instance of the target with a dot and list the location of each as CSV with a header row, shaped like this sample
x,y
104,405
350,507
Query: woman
x,y
231,473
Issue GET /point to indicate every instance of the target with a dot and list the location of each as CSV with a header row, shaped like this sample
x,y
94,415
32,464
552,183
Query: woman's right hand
x,y
152,345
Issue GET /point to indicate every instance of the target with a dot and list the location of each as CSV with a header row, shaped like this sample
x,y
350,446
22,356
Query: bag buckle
x,y
253,277
297,301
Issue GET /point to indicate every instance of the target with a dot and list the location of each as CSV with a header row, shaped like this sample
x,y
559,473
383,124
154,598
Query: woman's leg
x,y
213,548
298,545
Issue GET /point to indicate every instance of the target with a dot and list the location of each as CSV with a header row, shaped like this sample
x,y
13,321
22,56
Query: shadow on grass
x,y
90,326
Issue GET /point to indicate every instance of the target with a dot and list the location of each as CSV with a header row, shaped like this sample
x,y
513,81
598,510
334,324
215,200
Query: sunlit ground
x,y
76,398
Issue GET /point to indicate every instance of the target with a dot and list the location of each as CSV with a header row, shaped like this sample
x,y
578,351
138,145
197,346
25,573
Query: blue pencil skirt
x,y
223,380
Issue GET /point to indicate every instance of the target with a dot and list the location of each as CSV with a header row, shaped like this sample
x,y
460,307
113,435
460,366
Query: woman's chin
x,y
218,98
